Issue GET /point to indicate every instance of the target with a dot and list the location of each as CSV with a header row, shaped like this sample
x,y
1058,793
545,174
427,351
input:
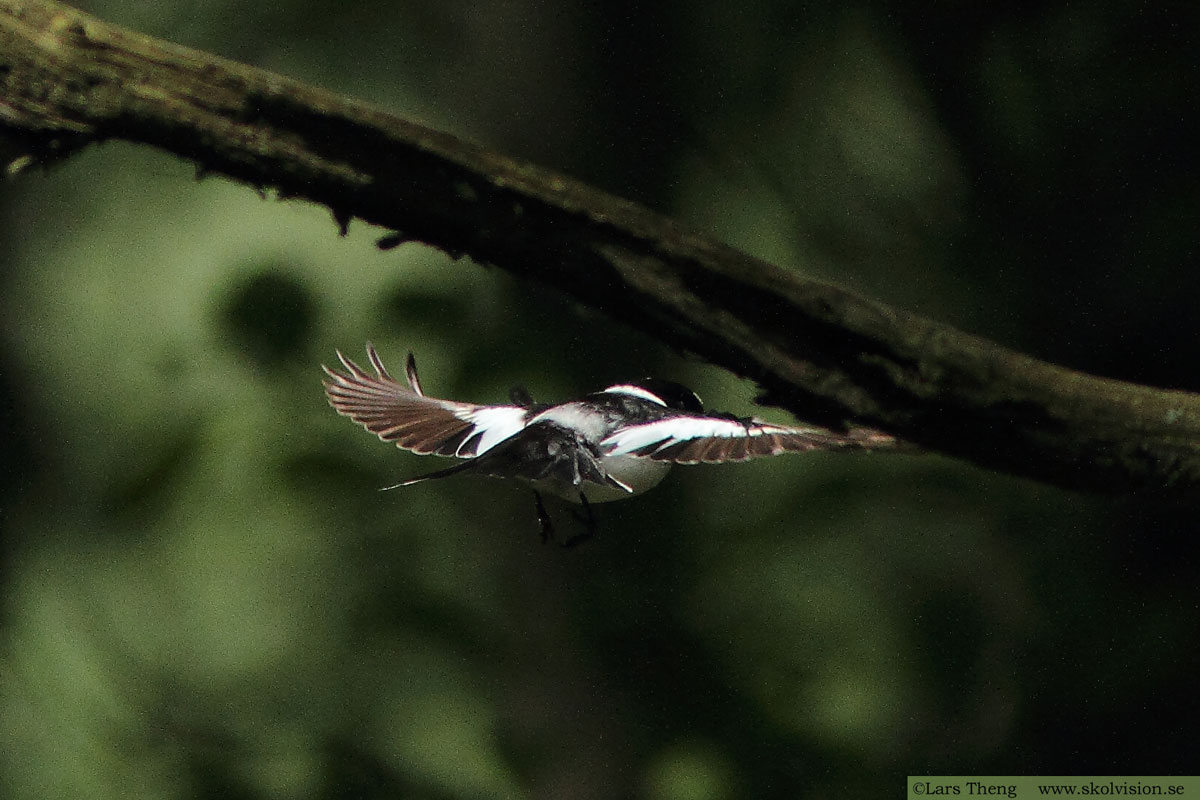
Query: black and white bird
x,y
607,445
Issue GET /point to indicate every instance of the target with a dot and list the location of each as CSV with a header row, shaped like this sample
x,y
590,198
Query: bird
x,y
608,445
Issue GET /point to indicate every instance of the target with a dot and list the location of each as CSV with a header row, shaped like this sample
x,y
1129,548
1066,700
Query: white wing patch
x,y
714,439
493,424
666,432
413,421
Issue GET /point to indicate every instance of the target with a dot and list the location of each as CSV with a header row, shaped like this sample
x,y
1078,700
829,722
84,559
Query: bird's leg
x,y
545,525
588,518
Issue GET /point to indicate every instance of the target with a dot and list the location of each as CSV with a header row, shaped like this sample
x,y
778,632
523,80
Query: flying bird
x,y
608,445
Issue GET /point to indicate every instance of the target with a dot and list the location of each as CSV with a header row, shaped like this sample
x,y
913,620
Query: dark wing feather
x,y
717,438
406,416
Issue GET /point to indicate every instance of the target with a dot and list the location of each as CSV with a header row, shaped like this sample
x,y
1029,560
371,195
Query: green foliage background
x,y
204,594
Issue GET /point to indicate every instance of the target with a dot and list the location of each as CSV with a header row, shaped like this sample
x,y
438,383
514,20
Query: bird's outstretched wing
x,y
717,438
405,415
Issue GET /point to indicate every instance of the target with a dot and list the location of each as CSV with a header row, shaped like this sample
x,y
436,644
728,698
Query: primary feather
x,y
407,417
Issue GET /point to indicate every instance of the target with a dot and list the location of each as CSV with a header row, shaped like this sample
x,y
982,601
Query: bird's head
x,y
665,393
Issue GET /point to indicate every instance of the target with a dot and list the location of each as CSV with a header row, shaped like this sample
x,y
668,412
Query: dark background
x,y
204,594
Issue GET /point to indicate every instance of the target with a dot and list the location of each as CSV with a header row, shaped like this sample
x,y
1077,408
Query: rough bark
x,y
826,355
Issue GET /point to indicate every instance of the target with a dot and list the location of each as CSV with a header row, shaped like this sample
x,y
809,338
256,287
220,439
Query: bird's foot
x,y
545,524
587,518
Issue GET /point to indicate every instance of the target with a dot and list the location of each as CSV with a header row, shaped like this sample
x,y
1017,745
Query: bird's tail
x,y
465,466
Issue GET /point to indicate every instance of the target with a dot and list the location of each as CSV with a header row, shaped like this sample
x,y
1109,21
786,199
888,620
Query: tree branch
x,y
67,79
